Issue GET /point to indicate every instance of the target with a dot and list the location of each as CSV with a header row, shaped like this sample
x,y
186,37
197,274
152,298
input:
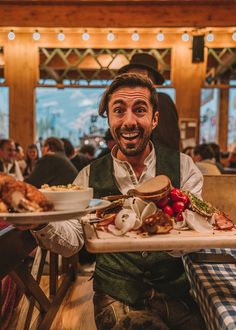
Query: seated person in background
x,y
32,155
188,151
20,157
110,142
167,132
141,290
53,168
231,162
79,161
203,156
88,151
8,162
217,155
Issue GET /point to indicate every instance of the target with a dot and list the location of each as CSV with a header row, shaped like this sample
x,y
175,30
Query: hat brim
x,y
159,79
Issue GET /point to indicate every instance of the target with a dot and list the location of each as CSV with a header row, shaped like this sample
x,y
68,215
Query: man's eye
x,y
118,110
140,110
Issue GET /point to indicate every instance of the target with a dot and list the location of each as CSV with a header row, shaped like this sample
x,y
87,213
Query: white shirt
x,y
66,237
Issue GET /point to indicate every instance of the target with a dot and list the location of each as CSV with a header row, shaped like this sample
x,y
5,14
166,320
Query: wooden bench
x,y
220,191
16,246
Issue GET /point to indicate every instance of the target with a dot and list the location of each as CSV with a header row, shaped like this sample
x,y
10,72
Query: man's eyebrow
x,y
138,102
118,101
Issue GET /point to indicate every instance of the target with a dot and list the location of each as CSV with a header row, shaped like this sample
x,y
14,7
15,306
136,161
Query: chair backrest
x,y
220,191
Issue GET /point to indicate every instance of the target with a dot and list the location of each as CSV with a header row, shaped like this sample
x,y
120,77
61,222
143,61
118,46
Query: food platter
x,y
98,241
52,216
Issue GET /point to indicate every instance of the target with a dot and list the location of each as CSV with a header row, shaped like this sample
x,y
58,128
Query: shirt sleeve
x,y
65,238
191,178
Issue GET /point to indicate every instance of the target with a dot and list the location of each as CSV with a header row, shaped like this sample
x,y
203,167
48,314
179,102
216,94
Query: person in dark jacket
x,y
54,168
167,132
78,160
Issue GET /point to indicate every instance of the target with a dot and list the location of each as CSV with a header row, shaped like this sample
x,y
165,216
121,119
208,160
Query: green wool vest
x,y
127,276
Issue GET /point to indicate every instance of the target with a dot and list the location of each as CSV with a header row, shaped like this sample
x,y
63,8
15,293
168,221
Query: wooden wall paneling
x,y
117,14
21,58
223,119
187,79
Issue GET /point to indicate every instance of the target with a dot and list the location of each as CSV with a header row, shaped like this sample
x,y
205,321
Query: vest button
x,y
144,254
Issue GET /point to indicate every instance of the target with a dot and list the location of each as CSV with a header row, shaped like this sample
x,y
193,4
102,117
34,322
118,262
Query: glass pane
x,y
209,115
232,114
4,112
70,113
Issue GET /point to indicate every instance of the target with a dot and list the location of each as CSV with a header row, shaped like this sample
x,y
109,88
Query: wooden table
x,y
15,246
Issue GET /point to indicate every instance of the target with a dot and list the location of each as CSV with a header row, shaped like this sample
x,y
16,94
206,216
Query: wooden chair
x,y
16,246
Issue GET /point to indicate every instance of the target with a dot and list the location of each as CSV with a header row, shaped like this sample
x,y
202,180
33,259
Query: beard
x,y
132,148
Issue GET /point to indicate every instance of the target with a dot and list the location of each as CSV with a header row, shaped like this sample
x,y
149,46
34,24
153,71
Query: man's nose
x,y
130,119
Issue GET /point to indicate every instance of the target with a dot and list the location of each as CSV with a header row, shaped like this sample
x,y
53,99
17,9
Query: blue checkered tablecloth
x,y
214,288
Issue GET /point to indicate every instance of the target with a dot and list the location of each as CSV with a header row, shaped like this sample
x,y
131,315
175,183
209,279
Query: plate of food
x,y
22,203
151,219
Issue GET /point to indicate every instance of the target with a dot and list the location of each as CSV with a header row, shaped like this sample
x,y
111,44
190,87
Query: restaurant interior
x,y
56,59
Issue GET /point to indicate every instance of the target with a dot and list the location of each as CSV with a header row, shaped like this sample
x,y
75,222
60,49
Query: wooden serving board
x,y
98,241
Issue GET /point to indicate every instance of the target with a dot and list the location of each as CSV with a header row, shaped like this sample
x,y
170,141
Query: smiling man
x,y
141,290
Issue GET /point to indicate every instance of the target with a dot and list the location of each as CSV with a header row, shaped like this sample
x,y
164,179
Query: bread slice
x,y
155,188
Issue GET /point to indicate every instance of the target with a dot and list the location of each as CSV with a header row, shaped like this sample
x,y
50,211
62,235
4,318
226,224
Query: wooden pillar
x,y
223,119
187,79
21,58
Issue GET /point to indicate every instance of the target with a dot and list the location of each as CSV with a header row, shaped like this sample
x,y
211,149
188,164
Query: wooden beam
x,y
117,14
21,76
223,119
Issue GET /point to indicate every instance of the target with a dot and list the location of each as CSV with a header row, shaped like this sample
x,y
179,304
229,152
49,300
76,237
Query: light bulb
x,y
234,36
36,35
160,36
85,36
185,36
135,36
110,36
61,36
11,35
210,37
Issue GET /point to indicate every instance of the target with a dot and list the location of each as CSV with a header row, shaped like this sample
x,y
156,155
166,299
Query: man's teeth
x,y
129,135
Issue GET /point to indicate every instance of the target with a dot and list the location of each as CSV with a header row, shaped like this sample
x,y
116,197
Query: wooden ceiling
x,y
117,14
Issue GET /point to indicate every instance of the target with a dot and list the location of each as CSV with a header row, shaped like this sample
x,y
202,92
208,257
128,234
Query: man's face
x,y
131,119
8,152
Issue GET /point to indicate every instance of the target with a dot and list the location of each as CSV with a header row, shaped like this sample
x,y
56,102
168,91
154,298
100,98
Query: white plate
x,y
52,216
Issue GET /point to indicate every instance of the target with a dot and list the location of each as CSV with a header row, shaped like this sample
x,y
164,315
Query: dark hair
x,y
216,148
89,148
54,144
204,150
128,80
68,146
29,165
3,142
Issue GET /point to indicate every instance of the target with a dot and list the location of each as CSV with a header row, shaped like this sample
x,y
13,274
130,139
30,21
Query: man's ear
x,y
155,119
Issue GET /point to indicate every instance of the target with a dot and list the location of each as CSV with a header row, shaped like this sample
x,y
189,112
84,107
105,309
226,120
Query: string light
x,y
11,35
36,35
61,36
85,35
210,37
234,36
160,36
135,36
110,36
185,36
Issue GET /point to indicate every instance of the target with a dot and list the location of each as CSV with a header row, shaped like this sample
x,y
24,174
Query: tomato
x,y
179,217
178,207
168,210
163,202
176,195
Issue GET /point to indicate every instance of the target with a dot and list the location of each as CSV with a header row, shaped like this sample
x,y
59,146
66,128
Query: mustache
x,y
134,129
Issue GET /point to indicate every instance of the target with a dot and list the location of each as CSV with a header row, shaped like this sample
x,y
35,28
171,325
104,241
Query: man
x,y
142,290
8,162
110,142
167,132
203,156
54,168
